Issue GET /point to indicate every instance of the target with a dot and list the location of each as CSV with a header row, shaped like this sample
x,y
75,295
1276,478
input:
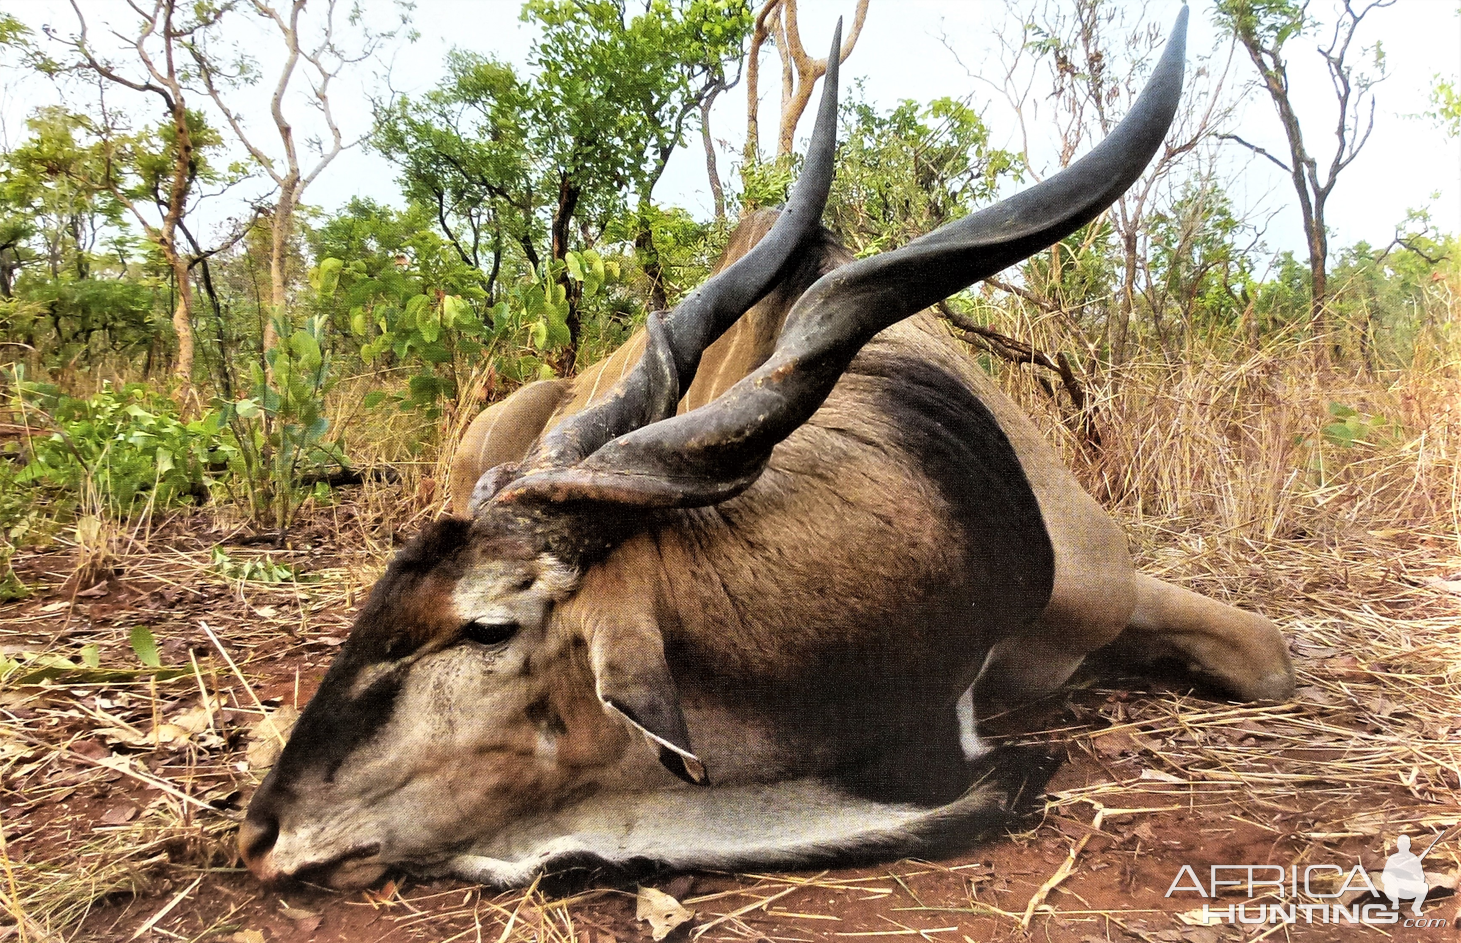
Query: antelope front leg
x,y
1242,652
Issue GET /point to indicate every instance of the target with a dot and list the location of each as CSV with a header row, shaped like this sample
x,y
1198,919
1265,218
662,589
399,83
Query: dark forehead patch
x,y
411,603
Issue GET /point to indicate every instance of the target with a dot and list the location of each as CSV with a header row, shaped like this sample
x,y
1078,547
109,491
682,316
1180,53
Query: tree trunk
x,y
182,323
568,194
711,170
280,231
1319,291
182,319
649,261
1127,304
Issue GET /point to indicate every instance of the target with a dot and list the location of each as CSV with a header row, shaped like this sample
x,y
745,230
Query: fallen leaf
x,y
1447,586
90,749
296,913
1347,668
382,896
1158,776
268,612
1114,744
1446,881
661,911
125,737
221,796
268,736
195,719
1195,918
119,815
54,607
247,936
170,735
100,589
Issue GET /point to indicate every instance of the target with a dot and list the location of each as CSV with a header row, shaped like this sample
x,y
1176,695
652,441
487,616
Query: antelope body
x,y
753,624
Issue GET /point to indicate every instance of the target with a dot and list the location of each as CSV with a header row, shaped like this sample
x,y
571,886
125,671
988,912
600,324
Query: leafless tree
x,y
711,169
158,44
1263,29
1084,64
322,63
776,21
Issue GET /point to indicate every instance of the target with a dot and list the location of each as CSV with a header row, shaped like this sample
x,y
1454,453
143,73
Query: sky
x,y
902,54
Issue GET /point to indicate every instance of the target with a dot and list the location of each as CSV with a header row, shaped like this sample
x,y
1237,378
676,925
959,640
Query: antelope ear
x,y
633,680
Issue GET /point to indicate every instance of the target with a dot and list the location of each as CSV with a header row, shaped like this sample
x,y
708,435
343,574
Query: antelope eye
x,y
489,633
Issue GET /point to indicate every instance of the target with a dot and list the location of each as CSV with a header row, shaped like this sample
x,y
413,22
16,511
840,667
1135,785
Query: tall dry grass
x,y
1219,462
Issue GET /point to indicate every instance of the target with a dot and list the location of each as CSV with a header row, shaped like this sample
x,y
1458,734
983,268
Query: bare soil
x,y
109,835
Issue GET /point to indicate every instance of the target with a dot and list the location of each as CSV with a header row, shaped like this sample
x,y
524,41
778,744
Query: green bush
x,y
280,430
126,446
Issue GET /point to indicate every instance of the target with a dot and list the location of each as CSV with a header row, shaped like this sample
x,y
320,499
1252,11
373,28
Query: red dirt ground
x,y
67,818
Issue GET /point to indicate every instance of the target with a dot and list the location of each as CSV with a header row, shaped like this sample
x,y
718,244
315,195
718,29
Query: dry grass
x,y
1218,467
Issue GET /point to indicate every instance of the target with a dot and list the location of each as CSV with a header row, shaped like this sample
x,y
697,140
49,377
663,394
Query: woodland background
x,y
153,362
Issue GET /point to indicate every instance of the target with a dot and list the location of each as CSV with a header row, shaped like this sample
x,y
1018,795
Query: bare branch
x,y
1257,150
799,71
759,34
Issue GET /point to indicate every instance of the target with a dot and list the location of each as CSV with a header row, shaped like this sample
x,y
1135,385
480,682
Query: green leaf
x,y
593,278
145,647
429,324
327,276
306,350
453,308
415,308
1341,411
35,669
425,388
434,353
1341,434
374,398
359,323
91,656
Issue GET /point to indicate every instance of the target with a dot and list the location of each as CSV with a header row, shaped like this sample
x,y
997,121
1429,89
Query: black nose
x,y
256,838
